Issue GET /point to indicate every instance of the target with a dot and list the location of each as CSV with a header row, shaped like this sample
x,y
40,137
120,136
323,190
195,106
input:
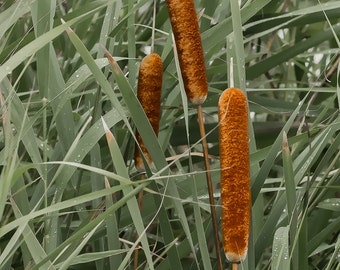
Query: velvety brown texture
x,y
184,24
235,176
149,95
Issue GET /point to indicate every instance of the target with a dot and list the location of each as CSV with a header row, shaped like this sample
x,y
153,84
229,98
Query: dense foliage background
x,y
68,192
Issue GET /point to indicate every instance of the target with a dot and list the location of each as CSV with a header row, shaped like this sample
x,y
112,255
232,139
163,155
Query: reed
x,y
235,184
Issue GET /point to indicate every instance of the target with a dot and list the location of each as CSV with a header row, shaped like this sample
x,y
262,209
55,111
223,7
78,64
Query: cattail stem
x,y
234,266
209,184
189,48
153,27
235,167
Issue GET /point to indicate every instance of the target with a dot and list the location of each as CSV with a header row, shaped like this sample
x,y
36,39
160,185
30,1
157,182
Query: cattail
x,y
184,24
235,184
149,95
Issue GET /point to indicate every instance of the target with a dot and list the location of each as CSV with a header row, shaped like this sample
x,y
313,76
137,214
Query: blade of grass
x,y
315,241
268,229
301,16
218,33
131,45
72,241
280,257
265,65
119,165
335,256
112,229
270,158
31,48
21,222
202,241
65,265
36,250
291,200
16,113
12,14
235,45
338,84
310,155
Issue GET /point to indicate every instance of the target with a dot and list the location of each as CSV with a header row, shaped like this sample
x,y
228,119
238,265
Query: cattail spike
x,y
185,27
235,167
149,95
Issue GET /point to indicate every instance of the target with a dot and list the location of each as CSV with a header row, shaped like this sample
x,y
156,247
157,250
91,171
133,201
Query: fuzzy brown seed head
x,y
149,95
185,27
235,184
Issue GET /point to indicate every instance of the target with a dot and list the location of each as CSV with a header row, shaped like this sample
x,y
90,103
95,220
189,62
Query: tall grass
x,y
68,192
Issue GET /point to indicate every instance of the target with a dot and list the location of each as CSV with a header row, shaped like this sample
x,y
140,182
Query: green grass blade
x,y
291,199
265,65
218,33
120,167
235,43
280,257
268,162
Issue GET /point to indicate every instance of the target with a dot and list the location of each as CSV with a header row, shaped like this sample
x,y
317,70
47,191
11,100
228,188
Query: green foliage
x,y
68,193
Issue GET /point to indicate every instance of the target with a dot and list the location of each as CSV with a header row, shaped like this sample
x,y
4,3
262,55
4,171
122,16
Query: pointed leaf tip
x,y
68,29
108,133
107,184
106,128
112,61
285,146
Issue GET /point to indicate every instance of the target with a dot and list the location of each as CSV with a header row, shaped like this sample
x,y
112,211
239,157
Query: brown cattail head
x,y
235,167
149,95
184,24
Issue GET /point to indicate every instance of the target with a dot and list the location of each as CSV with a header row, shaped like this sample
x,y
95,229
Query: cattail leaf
x,y
33,245
200,229
291,199
96,256
236,48
69,261
268,228
280,253
298,48
327,231
288,176
218,33
119,164
61,205
112,229
332,204
271,155
72,241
